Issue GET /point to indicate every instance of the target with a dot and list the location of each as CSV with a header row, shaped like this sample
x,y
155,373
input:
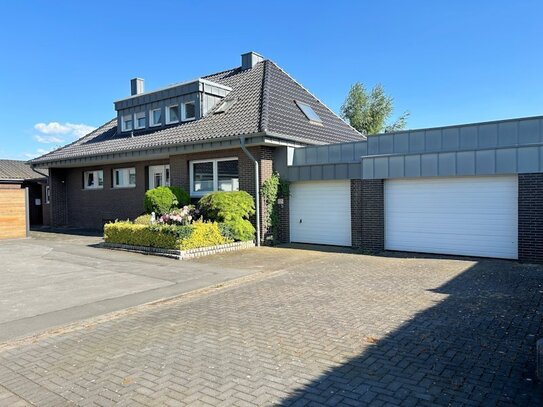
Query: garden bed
x,y
180,254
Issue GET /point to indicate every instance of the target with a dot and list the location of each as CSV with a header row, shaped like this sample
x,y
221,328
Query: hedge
x,y
199,234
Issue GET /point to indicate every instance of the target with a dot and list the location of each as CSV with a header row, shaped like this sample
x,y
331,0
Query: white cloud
x,y
55,132
48,139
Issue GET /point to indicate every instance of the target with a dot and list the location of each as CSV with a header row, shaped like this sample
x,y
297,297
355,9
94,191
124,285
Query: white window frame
x,y
138,116
168,120
151,118
47,194
184,111
153,169
123,171
96,177
215,174
123,122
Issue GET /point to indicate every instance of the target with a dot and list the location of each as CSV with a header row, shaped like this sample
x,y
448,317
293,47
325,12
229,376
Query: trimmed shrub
x,y
232,210
159,200
239,229
143,219
226,206
183,197
141,235
204,234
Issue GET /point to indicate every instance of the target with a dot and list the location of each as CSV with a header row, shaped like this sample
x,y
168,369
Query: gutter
x,y
257,187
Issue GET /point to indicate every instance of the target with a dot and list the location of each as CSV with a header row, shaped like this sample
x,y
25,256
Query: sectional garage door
x,y
475,216
320,212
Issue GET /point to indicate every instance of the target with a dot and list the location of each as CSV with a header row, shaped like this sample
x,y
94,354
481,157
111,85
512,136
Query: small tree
x,y
368,112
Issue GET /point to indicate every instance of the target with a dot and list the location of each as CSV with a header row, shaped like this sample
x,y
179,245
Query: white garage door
x,y
320,212
474,216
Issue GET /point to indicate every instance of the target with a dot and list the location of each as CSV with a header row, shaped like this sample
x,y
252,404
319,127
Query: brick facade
x,y
179,170
72,205
367,215
284,222
75,206
530,218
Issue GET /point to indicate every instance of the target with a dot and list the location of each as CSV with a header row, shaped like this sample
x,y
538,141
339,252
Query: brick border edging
x,y
180,254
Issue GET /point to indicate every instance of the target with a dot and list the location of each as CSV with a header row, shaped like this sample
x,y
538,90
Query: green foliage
x,y
239,229
140,235
233,210
143,219
159,200
226,231
226,206
369,112
182,196
204,234
272,189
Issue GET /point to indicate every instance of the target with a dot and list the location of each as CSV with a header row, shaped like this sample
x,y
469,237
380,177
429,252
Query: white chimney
x,y
250,59
136,86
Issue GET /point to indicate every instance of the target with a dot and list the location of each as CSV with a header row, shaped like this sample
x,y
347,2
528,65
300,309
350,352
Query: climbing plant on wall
x,y
273,189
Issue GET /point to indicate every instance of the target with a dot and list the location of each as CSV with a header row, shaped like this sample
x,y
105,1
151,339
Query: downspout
x,y
257,187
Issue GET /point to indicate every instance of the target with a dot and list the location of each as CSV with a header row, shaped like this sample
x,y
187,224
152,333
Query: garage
x,y
320,212
474,216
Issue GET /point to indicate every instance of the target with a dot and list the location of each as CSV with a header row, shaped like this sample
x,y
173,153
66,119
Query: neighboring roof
x,y
265,103
14,170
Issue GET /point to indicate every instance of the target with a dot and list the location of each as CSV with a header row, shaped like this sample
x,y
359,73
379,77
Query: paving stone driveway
x,y
340,329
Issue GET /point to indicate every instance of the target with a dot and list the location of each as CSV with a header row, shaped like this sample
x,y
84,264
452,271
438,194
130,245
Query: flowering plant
x,y
182,216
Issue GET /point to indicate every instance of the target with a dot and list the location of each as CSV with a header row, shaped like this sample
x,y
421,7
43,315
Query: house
x,y
472,189
191,135
22,198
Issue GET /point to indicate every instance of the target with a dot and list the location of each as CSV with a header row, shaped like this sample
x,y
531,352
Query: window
x,y
172,114
127,122
155,117
309,112
225,105
140,120
159,175
47,194
188,111
93,179
124,178
214,175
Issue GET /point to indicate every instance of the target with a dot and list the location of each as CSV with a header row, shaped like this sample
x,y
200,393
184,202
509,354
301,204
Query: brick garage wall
x,y
90,208
367,215
530,217
58,208
284,222
179,169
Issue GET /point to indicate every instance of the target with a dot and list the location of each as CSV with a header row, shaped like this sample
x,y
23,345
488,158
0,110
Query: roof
x,y
14,170
265,103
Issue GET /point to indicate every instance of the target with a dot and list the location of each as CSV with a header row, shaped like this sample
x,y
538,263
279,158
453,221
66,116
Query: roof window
x,y
309,112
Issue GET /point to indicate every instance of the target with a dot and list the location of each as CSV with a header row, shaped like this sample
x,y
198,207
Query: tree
x,y
368,112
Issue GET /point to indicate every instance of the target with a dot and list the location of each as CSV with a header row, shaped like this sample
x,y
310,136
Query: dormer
x,y
178,103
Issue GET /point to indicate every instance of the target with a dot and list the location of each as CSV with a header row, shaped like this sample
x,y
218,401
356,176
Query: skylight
x,y
225,105
309,112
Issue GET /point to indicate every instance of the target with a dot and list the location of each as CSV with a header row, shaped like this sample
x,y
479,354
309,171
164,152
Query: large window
x,y
189,111
159,175
140,120
124,178
155,117
172,114
214,175
93,179
127,122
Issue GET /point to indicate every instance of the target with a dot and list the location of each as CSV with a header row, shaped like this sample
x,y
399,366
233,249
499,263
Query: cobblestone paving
x,y
342,329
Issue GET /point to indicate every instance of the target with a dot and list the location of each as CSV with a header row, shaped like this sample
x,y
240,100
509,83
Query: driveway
x,y
54,279
319,329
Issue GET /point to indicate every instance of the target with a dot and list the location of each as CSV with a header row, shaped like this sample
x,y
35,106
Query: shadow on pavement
x,y
476,347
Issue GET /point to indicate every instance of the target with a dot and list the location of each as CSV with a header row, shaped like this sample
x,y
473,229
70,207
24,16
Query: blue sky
x,y
64,63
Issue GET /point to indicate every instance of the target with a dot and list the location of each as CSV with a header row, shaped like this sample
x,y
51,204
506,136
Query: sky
x,y
63,63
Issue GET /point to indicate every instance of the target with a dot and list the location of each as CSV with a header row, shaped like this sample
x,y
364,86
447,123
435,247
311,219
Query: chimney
x,y
250,59
136,86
